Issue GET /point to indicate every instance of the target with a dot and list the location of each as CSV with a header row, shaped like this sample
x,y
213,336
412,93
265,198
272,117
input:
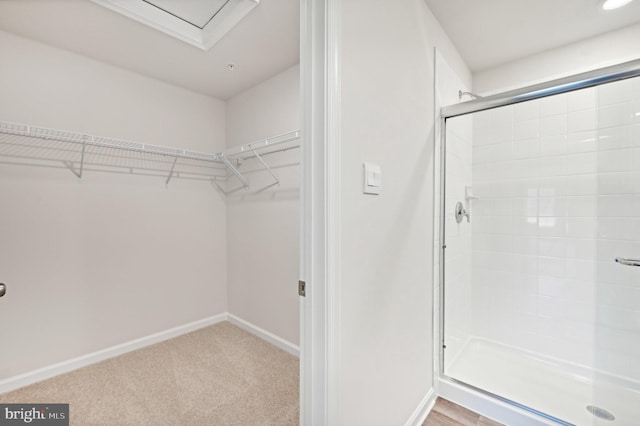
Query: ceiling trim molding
x,y
230,14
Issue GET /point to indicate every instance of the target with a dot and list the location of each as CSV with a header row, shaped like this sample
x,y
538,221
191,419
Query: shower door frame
x,y
583,80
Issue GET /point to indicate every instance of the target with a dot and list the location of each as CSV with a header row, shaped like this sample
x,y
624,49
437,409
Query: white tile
x,y
607,250
524,188
582,142
525,129
502,114
616,92
615,228
502,132
525,111
615,138
582,163
552,206
553,145
525,245
551,267
582,206
580,291
525,226
553,166
526,303
551,286
527,148
582,99
524,169
580,248
619,318
619,296
582,227
524,264
552,105
618,206
482,135
581,270
553,125
635,112
551,247
550,307
615,115
616,183
579,331
552,226
635,161
524,206
617,160
554,186
581,121
582,184
582,312
492,153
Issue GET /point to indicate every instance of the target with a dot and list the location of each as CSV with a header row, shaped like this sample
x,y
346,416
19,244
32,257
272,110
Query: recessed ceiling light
x,y
614,4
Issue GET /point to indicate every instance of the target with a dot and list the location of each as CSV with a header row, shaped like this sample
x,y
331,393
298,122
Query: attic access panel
x,y
200,23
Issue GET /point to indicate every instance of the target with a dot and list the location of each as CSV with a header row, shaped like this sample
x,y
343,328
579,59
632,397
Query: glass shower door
x,y
541,198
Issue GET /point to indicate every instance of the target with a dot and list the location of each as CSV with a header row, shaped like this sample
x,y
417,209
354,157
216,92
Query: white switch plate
x,y
372,179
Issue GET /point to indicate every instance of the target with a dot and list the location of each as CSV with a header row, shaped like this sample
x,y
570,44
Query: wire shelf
x,y
32,145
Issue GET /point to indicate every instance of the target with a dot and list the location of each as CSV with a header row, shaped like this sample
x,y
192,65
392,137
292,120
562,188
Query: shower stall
x,y
539,248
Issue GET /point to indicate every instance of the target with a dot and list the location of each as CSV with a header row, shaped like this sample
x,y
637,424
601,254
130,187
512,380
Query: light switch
x,y
372,179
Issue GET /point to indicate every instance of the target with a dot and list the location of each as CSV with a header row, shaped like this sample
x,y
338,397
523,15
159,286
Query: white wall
x,y
264,227
387,116
593,53
116,257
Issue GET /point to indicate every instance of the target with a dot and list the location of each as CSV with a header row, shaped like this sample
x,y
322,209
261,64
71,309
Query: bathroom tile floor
x,y
446,413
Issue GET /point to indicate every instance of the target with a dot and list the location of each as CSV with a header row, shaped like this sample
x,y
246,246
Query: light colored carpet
x,y
219,375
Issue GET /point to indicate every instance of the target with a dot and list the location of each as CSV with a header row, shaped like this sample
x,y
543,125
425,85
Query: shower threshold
x,y
549,386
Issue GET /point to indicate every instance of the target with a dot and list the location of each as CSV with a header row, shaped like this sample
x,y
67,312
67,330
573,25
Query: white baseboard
x,y
44,373
265,335
424,408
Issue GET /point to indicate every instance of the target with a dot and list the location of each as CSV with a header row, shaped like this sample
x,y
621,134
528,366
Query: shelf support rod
x,y
266,166
84,147
173,166
235,171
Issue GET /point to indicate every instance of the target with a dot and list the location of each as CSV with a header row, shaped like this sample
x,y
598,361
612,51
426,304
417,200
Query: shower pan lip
x,y
579,81
531,411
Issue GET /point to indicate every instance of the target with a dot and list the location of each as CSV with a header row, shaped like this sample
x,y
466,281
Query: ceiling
x,y
265,42
488,33
262,44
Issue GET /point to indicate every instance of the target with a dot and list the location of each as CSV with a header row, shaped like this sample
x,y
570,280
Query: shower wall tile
x,y
582,99
552,105
559,201
582,120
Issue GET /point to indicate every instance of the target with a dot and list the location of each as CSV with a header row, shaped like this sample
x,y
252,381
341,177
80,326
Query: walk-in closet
x,y
150,209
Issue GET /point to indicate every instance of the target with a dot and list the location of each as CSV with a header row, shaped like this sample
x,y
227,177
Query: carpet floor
x,y
219,375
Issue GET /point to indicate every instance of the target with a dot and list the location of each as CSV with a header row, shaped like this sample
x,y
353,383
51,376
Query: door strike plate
x,y
302,288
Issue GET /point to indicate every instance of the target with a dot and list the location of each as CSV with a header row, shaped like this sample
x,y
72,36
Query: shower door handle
x,y
628,262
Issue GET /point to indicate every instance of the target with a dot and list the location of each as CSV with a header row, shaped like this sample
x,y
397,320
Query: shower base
x,y
561,391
